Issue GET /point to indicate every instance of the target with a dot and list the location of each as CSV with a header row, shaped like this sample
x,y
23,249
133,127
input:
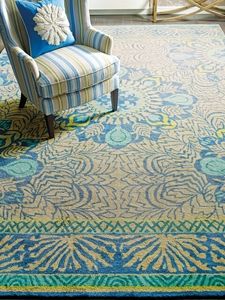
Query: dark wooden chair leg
x,y
50,125
23,101
114,99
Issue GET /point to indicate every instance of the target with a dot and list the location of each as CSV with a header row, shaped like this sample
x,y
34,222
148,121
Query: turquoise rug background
x,y
122,204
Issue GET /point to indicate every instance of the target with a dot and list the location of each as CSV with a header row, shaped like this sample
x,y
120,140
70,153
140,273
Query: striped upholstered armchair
x,y
59,80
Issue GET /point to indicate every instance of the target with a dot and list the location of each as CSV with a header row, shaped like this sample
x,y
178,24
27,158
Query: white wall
x,y
118,4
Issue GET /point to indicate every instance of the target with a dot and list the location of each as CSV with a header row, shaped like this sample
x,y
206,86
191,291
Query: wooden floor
x,y
146,20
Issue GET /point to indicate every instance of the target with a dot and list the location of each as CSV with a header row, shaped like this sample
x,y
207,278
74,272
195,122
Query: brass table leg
x,y
199,5
154,10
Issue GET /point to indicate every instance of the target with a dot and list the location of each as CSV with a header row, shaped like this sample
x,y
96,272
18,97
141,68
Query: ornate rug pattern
x,y
129,203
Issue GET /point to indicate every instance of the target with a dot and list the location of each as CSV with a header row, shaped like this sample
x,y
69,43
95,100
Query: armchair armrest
x,y
26,72
85,34
98,40
26,61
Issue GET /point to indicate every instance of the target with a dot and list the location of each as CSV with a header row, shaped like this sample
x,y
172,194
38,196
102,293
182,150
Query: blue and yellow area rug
x,y
130,203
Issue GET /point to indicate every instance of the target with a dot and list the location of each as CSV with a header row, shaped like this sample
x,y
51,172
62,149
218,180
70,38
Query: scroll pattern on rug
x,y
125,203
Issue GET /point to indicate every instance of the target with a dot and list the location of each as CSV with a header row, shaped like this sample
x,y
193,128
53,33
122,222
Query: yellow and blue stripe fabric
x,y
70,69
71,100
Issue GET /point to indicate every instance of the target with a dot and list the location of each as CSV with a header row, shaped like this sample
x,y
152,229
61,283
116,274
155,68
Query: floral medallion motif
x,y
52,24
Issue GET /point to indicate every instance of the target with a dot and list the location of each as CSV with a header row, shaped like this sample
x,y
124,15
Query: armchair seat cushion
x,y
73,68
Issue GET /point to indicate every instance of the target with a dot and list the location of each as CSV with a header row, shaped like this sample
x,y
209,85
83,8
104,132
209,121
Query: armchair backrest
x,y
79,17
14,33
11,25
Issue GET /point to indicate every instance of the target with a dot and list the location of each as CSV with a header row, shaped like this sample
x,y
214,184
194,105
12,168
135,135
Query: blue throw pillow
x,y
46,25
